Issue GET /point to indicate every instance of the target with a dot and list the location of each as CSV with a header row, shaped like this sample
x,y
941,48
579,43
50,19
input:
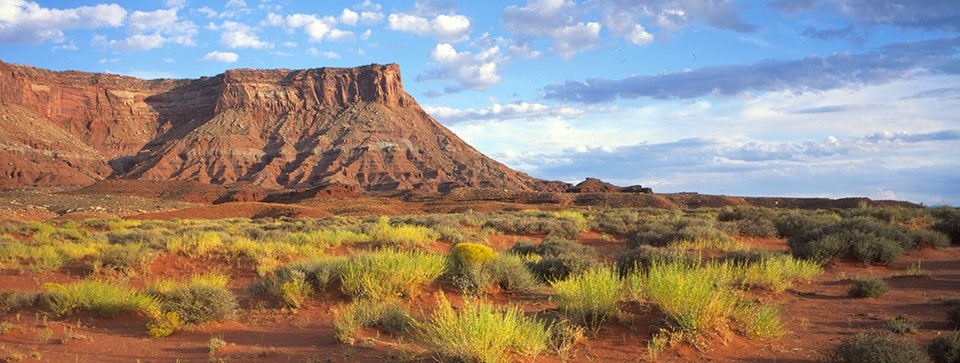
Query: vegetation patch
x,y
875,348
589,298
388,316
388,273
868,287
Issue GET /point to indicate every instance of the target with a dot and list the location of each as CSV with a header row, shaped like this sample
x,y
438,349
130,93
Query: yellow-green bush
x,y
589,298
388,273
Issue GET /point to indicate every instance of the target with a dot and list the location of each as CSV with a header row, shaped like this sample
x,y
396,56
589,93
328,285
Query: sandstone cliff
x,y
274,128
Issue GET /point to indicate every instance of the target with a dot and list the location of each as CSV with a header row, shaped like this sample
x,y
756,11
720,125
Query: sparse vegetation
x,y
479,332
901,325
589,298
100,297
876,348
868,287
385,274
945,348
389,316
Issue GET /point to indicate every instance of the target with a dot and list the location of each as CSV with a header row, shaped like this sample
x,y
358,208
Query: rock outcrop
x,y
274,128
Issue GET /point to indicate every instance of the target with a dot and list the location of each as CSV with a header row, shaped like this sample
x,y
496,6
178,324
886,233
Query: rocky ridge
x,y
273,128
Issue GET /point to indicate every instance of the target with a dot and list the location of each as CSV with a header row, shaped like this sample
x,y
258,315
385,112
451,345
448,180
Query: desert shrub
x,y
792,222
524,248
13,300
928,238
479,332
759,321
589,298
875,348
945,348
560,258
401,236
863,239
692,302
526,223
125,258
320,271
389,316
99,297
750,256
948,222
750,221
388,273
652,233
165,324
641,257
154,238
901,325
776,273
203,298
196,244
468,266
953,316
576,217
868,288
510,272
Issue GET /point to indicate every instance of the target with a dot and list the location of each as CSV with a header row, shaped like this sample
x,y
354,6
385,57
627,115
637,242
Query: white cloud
x,y
238,35
179,4
500,112
471,72
371,17
446,28
207,11
28,22
133,43
218,56
349,17
572,39
326,54
552,19
316,28
235,8
151,30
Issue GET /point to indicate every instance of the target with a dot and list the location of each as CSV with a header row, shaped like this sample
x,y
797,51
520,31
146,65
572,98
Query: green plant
x,y
125,258
641,257
44,334
7,326
213,347
478,332
759,321
564,336
164,325
953,316
386,273
559,258
510,272
875,348
402,236
945,348
389,316
203,299
468,266
868,287
693,303
100,297
12,300
901,325
589,298
774,273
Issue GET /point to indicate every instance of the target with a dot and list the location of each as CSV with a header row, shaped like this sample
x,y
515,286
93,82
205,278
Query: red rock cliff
x,y
276,128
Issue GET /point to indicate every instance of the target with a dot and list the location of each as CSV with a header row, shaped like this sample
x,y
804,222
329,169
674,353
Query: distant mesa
x,y
594,185
353,128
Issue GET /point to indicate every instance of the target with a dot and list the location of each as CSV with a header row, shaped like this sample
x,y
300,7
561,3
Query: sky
x,y
805,98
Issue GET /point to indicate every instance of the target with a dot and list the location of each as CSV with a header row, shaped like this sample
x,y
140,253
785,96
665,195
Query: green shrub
x,y
693,302
589,298
945,348
901,325
865,240
774,273
478,332
13,300
949,222
203,299
953,316
196,244
164,325
511,273
875,348
651,233
559,258
468,266
641,257
759,321
388,316
388,273
100,297
320,271
868,288
750,221
402,236
125,258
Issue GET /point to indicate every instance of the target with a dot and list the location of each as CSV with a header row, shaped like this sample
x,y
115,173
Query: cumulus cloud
x,y
837,70
519,110
315,27
238,35
446,28
471,71
27,22
550,18
323,54
150,30
218,56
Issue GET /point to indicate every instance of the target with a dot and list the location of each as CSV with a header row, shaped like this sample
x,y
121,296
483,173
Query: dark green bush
x,y
789,224
876,348
510,273
743,257
928,238
201,303
901,325
125,258
953,316
868,288
948,222
642,257
652,233
13,300
750,221
866,240
762,228
559,258
945,348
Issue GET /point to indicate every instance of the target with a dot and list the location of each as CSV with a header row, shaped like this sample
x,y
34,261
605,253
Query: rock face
x,y
274,128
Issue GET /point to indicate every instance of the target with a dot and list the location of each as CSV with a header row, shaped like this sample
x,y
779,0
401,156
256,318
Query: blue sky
x,y
826,98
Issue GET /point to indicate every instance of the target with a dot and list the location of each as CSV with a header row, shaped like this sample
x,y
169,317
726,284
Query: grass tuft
x,y
589,298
